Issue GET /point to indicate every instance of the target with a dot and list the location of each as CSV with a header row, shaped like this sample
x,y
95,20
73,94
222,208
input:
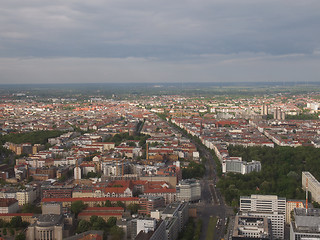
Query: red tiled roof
x,y
6,202
90,199
100,213
104,208
162,190
115,189
16,214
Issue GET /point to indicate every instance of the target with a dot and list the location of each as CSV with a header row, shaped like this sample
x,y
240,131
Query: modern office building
x,y
269,206
239,166
249,227
188,190
158,232
306,224
150,203
179,210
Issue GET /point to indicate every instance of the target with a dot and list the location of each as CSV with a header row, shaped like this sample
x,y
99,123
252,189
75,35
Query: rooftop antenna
x,y
307,195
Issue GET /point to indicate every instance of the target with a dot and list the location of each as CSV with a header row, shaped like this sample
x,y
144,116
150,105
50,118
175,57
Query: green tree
x,y
30,179
39,137
131,144
116,233
108,203
83,226
99,224
188,230
30,208
4,232
93,219
91,175
11,231
194,170
281,170
112,221
77,207
121,204
2,223
20,236
133,207
25,224
16,222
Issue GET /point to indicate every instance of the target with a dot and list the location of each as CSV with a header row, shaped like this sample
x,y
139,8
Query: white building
x,y
26,196
77,173
236,165
188,190
249,227
269,206
148,229
146,225
313,185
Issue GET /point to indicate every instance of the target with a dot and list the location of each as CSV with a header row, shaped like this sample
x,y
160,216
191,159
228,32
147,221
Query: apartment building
x,y
291,205
150,203
180,210
270,206
26,196
313,185
189,190
236,165
8,205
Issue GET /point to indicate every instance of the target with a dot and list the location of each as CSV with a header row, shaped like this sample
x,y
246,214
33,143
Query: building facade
x,y
313,185
46,227
269,206
8,205
239,166
188,190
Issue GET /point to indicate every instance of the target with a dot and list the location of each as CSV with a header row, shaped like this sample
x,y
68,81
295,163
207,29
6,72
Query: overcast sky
x,y
80,41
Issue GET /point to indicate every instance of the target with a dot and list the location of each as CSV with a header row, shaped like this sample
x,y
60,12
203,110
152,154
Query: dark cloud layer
x,y
219,39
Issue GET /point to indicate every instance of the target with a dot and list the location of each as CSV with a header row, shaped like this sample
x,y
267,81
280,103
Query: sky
x,y
83,41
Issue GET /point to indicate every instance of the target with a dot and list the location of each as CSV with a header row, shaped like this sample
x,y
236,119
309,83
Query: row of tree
x,y
78,206
15,226
194,170
16,222
120,137
109,228
34,137
191,231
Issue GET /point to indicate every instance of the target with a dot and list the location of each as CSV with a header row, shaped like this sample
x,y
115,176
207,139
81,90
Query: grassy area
x,y
211,228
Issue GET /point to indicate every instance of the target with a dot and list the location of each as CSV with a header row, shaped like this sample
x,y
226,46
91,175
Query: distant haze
x,y
79,41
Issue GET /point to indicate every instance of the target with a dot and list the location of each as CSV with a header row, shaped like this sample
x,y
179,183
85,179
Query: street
x,y
212,203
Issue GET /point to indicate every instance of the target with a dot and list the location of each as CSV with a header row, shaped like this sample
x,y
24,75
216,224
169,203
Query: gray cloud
x,y
169,35
249,67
